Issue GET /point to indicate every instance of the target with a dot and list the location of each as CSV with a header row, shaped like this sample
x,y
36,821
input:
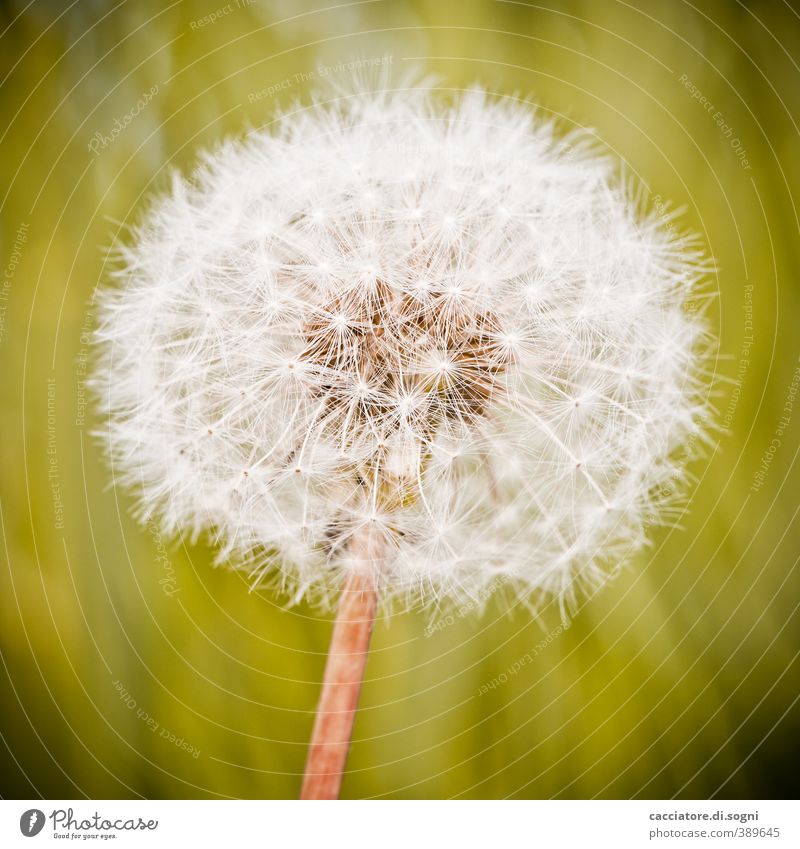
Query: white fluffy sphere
x,y
446,325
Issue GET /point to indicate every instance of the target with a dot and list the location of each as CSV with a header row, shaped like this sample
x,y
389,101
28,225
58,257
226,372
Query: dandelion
x,y
400,352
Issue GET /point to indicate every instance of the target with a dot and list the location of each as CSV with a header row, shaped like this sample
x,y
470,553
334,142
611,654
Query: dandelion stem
x,y
344,673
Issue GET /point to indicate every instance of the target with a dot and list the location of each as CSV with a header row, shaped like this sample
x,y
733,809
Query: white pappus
x,y
446,323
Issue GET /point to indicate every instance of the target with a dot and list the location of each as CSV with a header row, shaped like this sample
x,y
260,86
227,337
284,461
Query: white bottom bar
x,y
408,824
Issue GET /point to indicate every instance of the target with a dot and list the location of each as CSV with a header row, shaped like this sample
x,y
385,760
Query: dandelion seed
x,y
426,350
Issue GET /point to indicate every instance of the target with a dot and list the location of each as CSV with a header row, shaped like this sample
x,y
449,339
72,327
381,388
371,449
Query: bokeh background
x,y
132,667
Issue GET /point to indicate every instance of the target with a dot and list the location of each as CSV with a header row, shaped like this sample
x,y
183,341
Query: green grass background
x,y
678,679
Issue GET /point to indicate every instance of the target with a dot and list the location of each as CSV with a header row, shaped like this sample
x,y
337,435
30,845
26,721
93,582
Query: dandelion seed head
x,y
447,325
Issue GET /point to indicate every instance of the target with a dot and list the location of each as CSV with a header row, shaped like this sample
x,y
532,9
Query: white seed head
x,y
448,326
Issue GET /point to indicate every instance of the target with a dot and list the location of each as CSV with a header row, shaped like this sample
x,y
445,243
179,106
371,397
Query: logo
x,y
31,822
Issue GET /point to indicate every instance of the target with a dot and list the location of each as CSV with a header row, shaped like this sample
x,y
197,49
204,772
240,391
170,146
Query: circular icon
x,y
31,822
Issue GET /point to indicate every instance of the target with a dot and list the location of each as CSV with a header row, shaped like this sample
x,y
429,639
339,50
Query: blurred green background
x,y
131,667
